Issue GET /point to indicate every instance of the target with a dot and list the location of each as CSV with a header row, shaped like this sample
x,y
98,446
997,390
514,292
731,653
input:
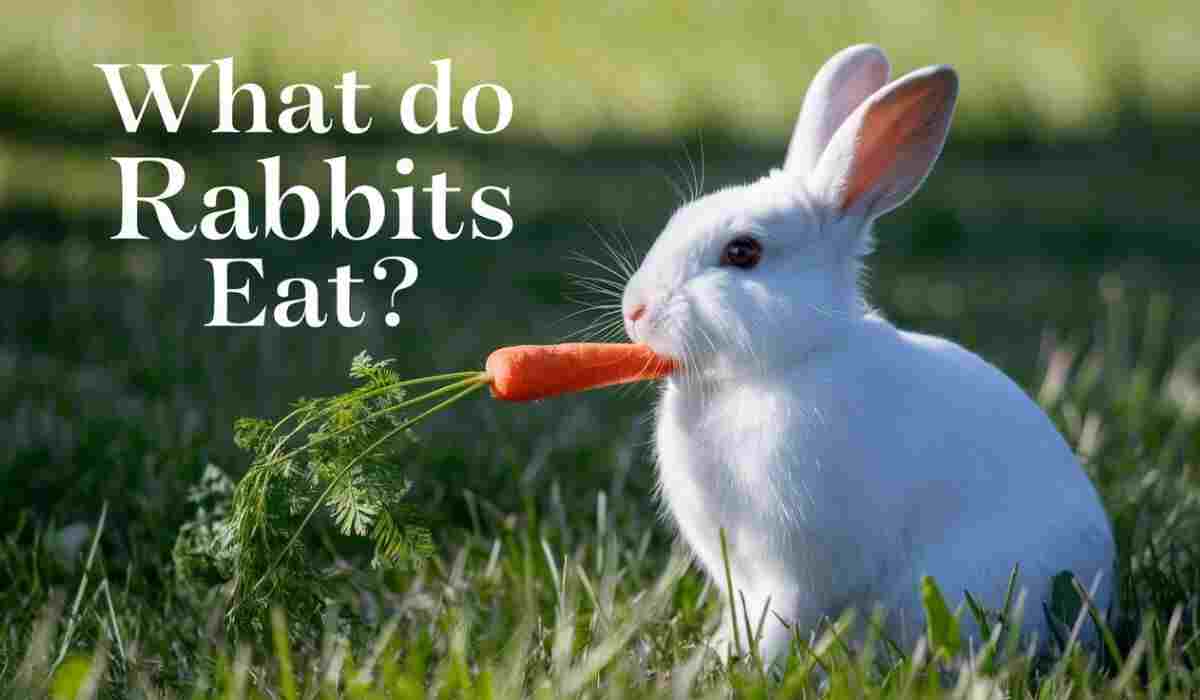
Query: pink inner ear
x,y
894,132
844,83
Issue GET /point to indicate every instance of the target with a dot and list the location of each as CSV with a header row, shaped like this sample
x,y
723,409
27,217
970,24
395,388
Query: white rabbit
x,y
846,458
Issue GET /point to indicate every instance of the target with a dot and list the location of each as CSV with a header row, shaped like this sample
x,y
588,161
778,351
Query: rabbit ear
x,y
850,77
882,153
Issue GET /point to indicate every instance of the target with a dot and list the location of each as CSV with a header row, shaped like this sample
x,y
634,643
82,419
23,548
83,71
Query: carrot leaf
x,y
339,456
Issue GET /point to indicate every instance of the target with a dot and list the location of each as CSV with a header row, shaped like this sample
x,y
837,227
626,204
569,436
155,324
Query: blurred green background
x,y
1069,180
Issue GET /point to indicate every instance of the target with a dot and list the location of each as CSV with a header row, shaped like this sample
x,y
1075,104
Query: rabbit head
x,y
753,277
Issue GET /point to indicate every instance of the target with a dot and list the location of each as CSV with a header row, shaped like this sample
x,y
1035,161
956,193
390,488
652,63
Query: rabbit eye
x,y
743,252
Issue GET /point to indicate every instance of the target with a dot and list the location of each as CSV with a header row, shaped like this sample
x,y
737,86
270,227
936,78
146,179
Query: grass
x,y
579,69
552,571
550,561
561,583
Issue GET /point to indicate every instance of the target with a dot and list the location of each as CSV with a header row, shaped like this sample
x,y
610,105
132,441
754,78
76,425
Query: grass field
x,y
578,69
1058,238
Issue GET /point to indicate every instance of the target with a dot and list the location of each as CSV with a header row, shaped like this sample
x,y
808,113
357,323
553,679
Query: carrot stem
x,y
473,379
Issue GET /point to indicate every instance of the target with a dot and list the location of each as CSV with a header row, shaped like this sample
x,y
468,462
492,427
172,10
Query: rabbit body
x,y
879,458
845,458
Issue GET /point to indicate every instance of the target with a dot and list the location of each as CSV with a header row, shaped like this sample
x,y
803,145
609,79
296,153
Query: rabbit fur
x,y
843,457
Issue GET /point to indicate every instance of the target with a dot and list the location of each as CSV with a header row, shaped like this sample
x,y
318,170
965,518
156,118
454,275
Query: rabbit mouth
x,y
669,329
661,347
686,360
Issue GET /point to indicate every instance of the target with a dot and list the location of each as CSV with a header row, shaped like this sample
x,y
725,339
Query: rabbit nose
x,y
636,312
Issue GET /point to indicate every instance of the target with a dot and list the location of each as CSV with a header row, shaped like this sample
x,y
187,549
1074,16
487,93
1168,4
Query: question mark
x,y
392,319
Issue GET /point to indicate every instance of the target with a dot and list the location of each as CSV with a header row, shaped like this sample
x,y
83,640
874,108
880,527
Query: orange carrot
x,y
530,372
